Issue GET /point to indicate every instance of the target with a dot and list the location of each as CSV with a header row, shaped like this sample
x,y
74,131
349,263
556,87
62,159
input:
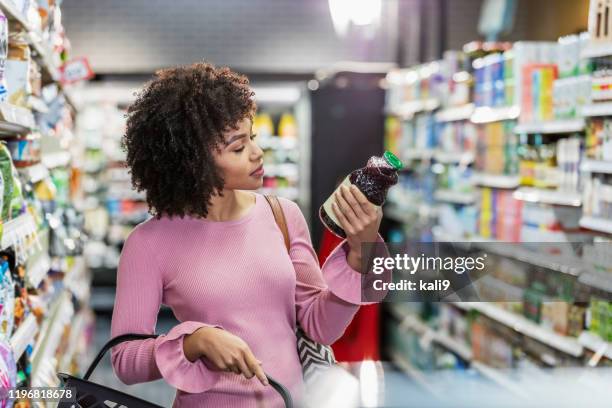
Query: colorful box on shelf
x,y
485,114
545,196
15,119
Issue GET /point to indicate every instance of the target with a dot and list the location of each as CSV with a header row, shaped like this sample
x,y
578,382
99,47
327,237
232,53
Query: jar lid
x,y
393,160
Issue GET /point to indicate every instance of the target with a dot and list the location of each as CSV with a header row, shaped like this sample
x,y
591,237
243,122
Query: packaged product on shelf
x,y
7,300
598,142
287,126
263,125
4,39
24,152
8,372
373,180
18,69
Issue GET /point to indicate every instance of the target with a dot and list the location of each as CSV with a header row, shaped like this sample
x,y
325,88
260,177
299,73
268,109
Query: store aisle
x,y
157,391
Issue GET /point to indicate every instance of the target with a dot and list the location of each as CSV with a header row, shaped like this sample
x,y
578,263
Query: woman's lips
x,y
259,172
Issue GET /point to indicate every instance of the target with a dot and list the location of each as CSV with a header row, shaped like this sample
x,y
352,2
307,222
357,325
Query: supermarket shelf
x,y
596,279
37,272
412,372
60,315
597,109
15,120
596,49
407,215
454,157
11,12
455,197
411,322
287,170
35,173
455,113
594,343
17,230
552,127
547,196
24,335
278,143
498,377
418,154
516,252
485,114
597,224
76,333
495,180
409,109
526,327
57,159
596,166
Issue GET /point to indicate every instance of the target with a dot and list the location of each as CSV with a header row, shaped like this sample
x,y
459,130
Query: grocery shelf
x,y
496,180
11,12
412,372
455,197
35,173
76,332
597,109
38,271
408,109
418,154
596,279
516,252
411,322
548,196
526,327
594,343
455,113
57,159
552,127
453,157
596,166
597,224
498,377
408,214
485,114
278,143
17,230
24,335
15,120
596,49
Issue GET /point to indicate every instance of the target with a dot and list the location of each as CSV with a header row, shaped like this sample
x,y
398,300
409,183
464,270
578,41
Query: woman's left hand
x,y
359,218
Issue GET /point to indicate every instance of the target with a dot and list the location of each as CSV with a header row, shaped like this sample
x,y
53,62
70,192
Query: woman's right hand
x,y
224,350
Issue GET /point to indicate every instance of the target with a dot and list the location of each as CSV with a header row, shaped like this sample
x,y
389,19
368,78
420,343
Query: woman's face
x,y
239,159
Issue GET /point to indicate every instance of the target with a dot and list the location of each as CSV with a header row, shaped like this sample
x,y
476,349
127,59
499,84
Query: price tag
x,y
76,70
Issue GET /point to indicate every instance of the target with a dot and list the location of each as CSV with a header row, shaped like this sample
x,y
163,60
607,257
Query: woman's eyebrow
x,y
234,138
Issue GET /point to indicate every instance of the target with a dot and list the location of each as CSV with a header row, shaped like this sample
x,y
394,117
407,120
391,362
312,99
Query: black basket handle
x,y
281,389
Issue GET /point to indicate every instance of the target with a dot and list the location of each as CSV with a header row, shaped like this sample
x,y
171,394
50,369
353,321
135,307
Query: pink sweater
x,y
236,275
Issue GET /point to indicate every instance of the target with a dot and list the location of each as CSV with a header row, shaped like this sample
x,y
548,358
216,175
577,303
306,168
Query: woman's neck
x,y
232,205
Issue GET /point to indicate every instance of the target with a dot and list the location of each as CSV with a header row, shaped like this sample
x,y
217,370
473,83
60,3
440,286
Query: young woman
x,y
214,254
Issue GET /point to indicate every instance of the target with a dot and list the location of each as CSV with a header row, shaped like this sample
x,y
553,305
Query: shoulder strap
x,y
279,217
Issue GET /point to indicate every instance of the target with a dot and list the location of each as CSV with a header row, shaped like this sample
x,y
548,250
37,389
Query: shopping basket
x,y
92,395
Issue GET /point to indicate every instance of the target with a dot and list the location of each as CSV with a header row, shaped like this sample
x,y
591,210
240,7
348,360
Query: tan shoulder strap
x,y
279,217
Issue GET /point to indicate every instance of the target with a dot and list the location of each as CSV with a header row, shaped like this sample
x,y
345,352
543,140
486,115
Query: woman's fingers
x,y
366,206
344,205
344,223
243,367
350,195
255,367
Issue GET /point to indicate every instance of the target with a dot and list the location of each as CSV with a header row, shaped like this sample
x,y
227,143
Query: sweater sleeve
x,y
137,302
326,297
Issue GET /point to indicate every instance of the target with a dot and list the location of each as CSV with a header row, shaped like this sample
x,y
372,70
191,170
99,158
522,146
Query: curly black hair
x,y
177,119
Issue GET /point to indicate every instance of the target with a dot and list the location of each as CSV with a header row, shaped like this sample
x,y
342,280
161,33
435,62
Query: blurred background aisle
x,y
500,110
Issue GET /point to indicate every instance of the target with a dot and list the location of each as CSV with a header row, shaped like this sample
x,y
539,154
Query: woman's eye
x,y
239,150
253,136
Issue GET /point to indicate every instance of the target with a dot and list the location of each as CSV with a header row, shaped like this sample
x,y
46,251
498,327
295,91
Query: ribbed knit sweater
x,y
235,275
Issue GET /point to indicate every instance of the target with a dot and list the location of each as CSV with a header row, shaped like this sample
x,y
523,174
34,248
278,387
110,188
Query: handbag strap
x,y
280,388
279,217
